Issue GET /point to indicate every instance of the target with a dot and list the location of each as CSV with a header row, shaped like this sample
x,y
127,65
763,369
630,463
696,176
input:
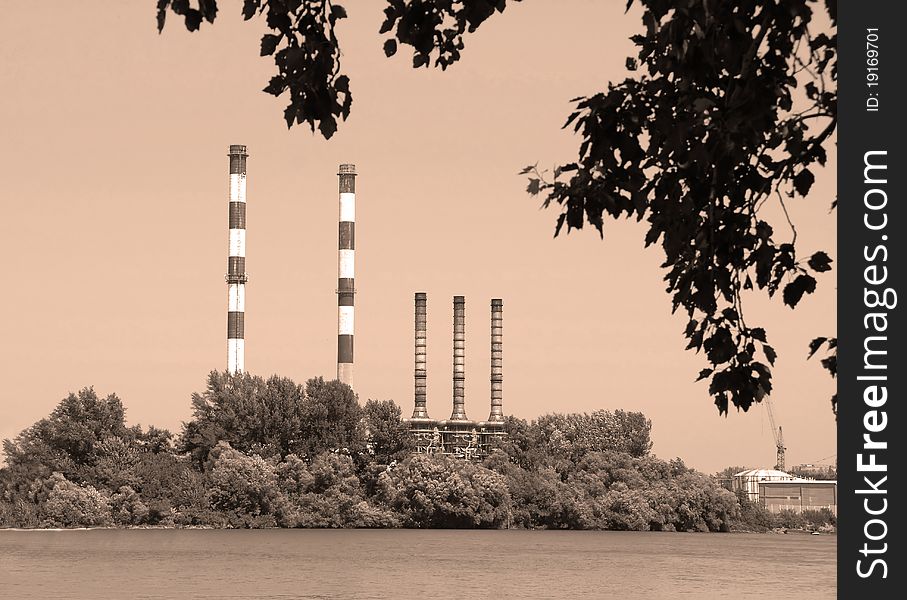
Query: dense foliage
x,y
271,453
708,140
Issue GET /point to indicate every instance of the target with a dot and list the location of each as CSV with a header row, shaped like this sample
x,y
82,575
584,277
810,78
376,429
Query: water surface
x,y
391,564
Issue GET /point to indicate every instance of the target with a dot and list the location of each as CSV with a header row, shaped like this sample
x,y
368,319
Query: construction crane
x,y
778,434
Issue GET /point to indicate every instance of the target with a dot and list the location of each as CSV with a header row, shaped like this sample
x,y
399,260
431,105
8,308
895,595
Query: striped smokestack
x,y
345,283
420,411
459,360
497,376
236,263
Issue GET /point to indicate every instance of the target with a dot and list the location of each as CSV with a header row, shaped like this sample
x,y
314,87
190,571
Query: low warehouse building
x,y
799,495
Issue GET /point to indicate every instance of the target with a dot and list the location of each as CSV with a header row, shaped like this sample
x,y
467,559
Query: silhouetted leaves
x,y
815,345
820,262
803,181
305,50
269,44
770,354
793,291
696,144
830,362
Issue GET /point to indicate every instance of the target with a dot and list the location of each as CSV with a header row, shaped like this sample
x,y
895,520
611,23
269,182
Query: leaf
x,y
328,127
249,7
276,86
757,333
720,347
704,373
269,44
820,262
815,345
161,14
338,12
289,113
793,291
390,47
770,354
193,19
803,181
534,186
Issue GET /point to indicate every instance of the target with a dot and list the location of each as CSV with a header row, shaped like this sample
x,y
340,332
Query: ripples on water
x,y
391,564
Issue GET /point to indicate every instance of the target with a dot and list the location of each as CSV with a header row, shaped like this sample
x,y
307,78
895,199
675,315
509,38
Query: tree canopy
x,y
561,471
731,109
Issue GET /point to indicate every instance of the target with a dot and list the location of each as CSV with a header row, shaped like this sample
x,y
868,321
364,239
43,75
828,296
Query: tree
x,y
252,414
244,488
274,417
71,441
387,434
445,492
72,505
331,418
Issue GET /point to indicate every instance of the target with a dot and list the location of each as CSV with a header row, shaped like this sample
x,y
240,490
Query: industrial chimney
x,y
345,280
236,263
420,411
459,359
497,376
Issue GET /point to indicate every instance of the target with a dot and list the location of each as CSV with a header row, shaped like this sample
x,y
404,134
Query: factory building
x,y
778,491
799,495
457,436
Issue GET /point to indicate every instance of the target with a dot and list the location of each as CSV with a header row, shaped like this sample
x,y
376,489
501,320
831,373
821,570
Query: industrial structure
x,y
236,261
778,435
457,436
776,491
346,288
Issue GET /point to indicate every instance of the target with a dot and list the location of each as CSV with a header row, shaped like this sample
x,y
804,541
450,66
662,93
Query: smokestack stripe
x,y
346,287
459,360
497,376
236,261
421,411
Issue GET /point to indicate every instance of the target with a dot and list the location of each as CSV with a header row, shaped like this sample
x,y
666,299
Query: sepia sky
x,y
114,236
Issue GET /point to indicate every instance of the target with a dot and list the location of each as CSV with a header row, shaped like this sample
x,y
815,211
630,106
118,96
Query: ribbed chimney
x,y
459,359
236,261
497,374
420,411
345,277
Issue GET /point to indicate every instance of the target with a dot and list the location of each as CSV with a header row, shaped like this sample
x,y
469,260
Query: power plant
x,y
457,436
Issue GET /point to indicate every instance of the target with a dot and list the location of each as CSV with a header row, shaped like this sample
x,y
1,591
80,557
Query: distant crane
x,y
778,434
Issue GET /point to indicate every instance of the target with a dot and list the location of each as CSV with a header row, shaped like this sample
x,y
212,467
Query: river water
x,y
391,564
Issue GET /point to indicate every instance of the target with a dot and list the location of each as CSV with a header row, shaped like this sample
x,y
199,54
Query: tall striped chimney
x,y
459,360
420,411
236,263
497,375
345,281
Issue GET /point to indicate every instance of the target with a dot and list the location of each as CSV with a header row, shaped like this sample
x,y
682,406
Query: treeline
x,y
272,453
755,517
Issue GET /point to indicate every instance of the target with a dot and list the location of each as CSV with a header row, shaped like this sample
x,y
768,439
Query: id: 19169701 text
x,y
872,69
